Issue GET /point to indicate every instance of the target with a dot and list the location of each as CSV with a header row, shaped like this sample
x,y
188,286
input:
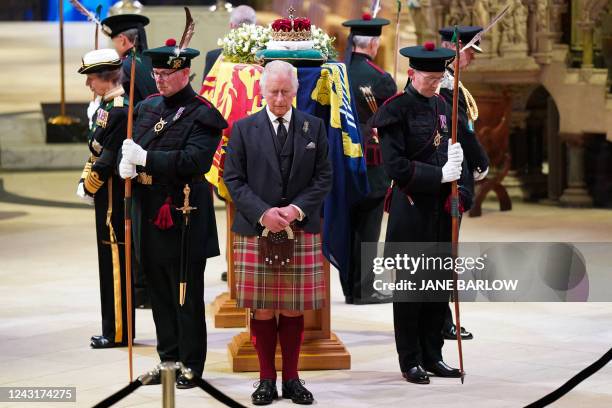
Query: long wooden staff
x,y
397,41
455,204
128,219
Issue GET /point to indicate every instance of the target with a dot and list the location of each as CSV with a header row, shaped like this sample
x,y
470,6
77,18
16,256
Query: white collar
x,y
273,117
113,93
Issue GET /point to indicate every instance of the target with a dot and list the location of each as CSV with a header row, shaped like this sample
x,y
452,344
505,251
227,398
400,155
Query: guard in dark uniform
x,y
99,184
414,129
176,133
127,32
370,86
475,155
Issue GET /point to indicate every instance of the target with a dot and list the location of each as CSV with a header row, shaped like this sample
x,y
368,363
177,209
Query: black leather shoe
x,y
155,379
265,393
441,369
183,383
349,300
416,375
295,390
450,333
102,342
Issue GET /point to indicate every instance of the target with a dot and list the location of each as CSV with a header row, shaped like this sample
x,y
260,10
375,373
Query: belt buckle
x,y
144,178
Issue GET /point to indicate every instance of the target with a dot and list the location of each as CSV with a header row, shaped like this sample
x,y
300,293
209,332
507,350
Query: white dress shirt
x,y
273,119
287,121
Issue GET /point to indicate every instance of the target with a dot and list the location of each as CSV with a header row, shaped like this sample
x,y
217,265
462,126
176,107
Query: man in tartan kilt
x,y
278,173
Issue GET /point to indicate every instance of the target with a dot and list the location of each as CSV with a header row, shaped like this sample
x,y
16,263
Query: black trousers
x,y
418,332
366,221
113,300
181,330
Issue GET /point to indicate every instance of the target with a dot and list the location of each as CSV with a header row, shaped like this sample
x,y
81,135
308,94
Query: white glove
x,y
93,106
83,195
127,169
450,172
479,176
455,153
134,153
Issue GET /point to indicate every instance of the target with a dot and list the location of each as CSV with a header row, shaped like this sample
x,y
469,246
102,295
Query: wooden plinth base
x,y
315,354
227,314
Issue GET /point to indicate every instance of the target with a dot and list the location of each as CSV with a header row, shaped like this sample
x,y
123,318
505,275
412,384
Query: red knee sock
x,y
290,333
263,336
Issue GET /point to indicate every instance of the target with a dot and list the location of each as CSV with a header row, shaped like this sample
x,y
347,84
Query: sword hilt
x,y
186,208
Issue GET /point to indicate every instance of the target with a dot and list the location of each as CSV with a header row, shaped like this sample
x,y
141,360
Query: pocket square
x,y
311,145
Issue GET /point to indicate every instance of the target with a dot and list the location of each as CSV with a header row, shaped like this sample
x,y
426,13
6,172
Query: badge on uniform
x,y
159,125
437,139
102,118
96,146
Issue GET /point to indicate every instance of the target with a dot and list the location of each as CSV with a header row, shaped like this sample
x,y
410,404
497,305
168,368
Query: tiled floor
x,y
49,308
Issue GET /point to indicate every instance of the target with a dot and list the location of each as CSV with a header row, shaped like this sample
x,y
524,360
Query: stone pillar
x,y
556,11
587,43
576,193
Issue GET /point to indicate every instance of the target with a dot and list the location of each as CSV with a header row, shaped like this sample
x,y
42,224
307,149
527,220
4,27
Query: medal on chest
x,y
159,125
443,127
102,118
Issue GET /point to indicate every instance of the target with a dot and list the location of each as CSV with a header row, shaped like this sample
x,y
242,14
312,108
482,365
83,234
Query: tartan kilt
x,y
299,286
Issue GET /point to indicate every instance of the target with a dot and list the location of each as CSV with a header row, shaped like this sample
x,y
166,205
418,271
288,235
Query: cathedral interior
x,y
543,85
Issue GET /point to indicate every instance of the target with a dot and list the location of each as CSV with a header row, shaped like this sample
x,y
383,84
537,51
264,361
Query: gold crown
x,y
291,29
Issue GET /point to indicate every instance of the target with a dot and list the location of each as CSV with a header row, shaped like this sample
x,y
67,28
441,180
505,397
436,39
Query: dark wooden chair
x,y
493,133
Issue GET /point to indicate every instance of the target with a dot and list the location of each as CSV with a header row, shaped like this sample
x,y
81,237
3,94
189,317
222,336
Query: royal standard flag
x,y
234,90
324,92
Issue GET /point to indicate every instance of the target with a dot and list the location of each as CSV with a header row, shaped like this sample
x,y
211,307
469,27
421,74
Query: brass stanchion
x,y
126,7
168,378
62,118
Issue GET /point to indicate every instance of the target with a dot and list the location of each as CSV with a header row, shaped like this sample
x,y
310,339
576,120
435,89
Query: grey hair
x,y
242,15
131,34
363,41
278,67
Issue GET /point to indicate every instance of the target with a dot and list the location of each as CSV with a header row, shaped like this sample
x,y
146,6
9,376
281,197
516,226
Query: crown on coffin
x,y
292,28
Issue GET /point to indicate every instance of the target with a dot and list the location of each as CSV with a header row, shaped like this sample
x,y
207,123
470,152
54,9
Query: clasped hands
x,y
277,219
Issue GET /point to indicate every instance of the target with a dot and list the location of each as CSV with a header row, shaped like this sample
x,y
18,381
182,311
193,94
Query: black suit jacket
x,y
211,58
253,177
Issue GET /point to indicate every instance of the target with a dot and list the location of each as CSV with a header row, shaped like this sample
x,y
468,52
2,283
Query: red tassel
x,y
163,221
387,202
373,154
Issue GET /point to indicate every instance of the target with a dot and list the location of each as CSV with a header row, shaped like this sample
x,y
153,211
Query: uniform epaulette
x,y
153,95
376,67
118,101
392,98
203,100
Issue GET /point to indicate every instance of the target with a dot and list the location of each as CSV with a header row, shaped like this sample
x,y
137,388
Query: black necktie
x,y
281,132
